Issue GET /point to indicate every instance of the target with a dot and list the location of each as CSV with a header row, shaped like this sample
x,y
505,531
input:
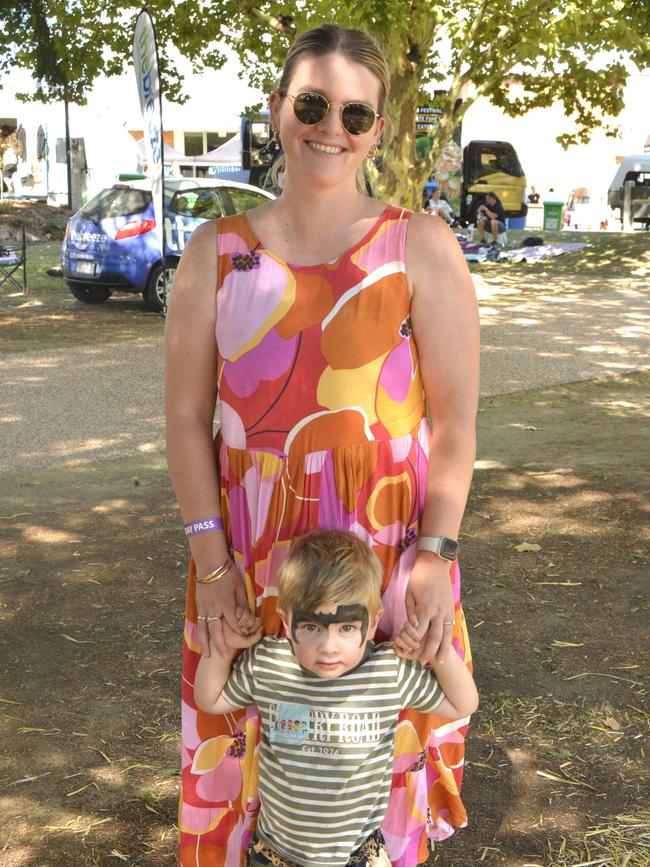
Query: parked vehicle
x,y
635,170
112,243
466,175
584,211
492,166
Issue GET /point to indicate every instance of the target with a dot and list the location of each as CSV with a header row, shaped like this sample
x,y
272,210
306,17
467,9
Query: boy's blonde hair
x,y
330,567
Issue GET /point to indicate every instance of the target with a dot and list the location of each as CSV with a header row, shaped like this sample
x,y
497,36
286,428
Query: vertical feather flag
x,y
145,61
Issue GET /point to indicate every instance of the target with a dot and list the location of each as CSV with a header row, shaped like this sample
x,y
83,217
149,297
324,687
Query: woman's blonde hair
x,y
330,567
357,46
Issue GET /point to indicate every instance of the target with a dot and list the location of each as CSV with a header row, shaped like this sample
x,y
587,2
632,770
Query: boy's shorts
x,y
371,853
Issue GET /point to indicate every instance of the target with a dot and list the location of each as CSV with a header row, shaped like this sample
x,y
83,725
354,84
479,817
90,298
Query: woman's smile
x,y
323,148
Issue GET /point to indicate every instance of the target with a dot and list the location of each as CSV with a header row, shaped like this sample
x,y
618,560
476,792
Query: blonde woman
x,y
323,322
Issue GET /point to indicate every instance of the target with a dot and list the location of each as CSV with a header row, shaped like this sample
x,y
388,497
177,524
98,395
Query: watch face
x,y
448,549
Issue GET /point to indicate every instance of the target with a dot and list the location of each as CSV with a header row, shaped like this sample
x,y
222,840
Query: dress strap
x,y
399,251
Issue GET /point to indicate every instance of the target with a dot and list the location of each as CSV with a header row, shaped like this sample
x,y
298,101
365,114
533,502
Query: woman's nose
x,y
331,123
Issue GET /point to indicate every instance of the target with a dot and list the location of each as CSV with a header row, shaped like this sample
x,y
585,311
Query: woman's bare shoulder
x,y
202,239
427,233
434,258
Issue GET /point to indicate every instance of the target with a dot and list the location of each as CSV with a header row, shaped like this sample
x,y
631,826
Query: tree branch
x,y
280,24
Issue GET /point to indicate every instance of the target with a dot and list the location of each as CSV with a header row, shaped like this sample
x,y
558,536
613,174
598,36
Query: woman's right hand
x,y
224,599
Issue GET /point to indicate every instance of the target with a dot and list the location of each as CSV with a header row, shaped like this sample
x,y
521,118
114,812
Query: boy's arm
x,y
213,672
457,683
453,676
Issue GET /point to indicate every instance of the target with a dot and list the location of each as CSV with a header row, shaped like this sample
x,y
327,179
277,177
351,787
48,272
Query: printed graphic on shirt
x,y
298,724
291,723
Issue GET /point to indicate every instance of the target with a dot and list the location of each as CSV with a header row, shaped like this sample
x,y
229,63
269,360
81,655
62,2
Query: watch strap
x,y
438,544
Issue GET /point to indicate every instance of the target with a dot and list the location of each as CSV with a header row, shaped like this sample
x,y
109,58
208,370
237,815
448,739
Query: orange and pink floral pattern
x,y
322,425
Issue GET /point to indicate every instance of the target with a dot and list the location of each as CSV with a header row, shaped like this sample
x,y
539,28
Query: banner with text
x,y
145,61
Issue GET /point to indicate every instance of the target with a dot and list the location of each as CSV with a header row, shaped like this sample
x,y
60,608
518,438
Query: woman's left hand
x,y
430,605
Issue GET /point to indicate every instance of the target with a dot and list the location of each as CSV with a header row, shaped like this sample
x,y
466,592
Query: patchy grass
x,y
613,260
49,317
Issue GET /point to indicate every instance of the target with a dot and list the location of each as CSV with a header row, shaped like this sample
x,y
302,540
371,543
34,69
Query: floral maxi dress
x,y
323,425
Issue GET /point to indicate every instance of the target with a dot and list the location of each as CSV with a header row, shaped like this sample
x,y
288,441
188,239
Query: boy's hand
x,y
238,641
408,644
247,622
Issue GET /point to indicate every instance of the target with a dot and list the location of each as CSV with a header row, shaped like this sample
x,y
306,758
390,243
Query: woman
x,y
334,315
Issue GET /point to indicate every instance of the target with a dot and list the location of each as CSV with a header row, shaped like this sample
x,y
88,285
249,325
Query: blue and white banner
x,y
145,60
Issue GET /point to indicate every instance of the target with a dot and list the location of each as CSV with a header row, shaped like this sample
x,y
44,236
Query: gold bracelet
x,y
217,573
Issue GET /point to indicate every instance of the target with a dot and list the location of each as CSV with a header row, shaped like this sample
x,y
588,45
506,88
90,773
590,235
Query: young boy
x,y
329,699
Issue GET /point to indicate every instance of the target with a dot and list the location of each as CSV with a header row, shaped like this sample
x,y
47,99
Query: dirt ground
x,y
555,562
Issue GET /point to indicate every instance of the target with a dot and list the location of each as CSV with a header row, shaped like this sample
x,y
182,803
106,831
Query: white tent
x,y
227,154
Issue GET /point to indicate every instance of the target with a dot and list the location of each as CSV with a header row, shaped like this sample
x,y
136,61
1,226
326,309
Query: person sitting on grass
x,y
439,207
329,700
490,215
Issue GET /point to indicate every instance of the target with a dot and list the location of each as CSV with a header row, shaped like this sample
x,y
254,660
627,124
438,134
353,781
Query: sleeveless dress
x,y
323,425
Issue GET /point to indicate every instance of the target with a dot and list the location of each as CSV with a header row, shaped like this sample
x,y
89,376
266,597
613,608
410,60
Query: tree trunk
x,y
399,179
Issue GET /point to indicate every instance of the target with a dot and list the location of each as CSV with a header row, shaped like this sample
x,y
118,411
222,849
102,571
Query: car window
x,y
197,203
242,200
117,202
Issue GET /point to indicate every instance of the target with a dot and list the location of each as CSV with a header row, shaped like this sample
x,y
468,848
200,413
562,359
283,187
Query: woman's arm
x,y
190,399
446,329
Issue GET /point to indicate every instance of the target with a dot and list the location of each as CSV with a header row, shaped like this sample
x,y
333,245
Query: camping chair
x,y
13,257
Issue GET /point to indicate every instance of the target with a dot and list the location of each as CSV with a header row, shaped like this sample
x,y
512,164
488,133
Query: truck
x,y
629,191
466,175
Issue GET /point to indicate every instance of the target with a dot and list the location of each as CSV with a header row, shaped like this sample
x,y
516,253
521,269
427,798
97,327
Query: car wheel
x,y
154,292
89,294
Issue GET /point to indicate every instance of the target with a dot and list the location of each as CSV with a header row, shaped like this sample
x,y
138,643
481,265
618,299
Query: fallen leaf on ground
x,y
527,546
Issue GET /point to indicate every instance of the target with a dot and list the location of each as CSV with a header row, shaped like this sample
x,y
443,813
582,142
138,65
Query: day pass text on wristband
x,y
205,525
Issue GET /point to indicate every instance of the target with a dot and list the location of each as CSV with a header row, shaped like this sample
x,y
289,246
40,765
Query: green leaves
x,y
558,51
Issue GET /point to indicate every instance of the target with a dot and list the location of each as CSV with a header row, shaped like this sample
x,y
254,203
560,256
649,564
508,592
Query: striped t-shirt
x,y
326,746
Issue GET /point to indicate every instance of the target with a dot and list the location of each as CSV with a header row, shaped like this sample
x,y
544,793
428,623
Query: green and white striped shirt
x,y
326,746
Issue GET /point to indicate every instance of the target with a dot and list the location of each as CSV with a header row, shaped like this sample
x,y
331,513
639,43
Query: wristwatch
x,y
442,546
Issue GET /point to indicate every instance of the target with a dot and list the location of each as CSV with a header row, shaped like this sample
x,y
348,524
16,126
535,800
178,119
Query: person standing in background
x,y
533,196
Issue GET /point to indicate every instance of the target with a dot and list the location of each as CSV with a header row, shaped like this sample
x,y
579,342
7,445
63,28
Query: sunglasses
x,y
312,108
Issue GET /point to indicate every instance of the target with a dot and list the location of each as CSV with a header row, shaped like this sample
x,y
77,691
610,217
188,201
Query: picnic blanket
x,y
474,253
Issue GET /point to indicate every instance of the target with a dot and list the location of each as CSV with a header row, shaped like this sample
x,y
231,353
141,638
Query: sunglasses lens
x,y
358,118
310,108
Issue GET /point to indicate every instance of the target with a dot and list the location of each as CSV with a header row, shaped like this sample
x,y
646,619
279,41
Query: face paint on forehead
x,y
343,614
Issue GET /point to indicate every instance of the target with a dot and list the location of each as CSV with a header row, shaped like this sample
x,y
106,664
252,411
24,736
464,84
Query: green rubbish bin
x,y
553,215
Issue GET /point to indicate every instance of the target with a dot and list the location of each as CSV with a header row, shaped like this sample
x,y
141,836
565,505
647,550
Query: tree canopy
x,y
570,52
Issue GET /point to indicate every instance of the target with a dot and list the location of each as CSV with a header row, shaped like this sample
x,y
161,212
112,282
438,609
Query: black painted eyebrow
x,y
343,614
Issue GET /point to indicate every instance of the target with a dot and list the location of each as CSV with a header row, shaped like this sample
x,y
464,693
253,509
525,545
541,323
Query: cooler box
x,y
553,215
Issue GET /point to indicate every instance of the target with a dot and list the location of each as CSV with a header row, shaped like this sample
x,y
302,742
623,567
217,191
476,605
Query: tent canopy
x,y
229,153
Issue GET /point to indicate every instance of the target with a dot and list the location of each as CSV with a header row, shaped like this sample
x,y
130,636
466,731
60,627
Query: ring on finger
x,y
211,619
201,618
444,622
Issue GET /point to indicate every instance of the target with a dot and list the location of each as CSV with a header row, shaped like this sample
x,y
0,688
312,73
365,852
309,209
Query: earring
x,y
372,153
276,137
